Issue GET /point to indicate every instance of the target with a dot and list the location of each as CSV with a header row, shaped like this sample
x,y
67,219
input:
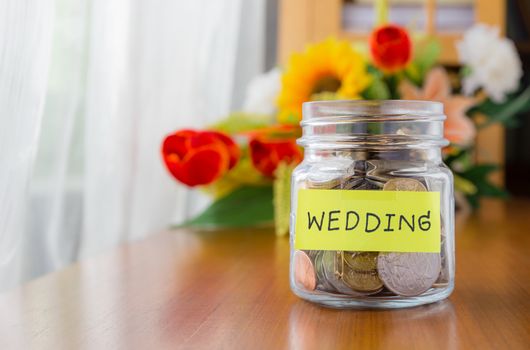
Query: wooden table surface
x,y
229,290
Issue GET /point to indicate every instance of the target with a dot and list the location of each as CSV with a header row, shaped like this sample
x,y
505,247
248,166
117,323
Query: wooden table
x,y
230,290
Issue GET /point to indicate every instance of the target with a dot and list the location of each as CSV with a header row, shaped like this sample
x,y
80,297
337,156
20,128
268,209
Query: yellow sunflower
x,y
331,69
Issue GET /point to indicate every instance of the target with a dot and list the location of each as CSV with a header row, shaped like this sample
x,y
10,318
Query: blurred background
x,y
89,89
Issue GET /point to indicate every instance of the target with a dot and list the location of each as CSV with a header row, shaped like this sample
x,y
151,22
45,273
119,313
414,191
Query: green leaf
x,y
392,82
241,122
282,197
454,156
462,156
465,71
503,112
377,90
478,176
486,189
425,57
473,200
463,185
244,207
413,74
480,172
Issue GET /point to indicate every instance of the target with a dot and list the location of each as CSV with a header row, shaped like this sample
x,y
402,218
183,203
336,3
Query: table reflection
x,y
311,326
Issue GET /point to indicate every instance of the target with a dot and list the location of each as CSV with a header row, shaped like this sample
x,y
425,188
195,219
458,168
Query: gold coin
x,y
333,263
320,179
404,184
359,271
361,260
329,184
304,272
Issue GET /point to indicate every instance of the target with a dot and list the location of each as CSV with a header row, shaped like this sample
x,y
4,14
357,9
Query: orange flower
x,y
459,129
199,157
391,48
267,153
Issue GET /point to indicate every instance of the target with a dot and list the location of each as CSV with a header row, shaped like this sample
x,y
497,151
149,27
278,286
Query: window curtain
x,y
88,89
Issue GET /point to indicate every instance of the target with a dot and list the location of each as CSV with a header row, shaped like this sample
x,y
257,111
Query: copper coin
x,y
404,184
304,272
408,274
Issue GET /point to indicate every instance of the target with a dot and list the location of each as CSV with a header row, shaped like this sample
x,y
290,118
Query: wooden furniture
x,y
306,21
229,290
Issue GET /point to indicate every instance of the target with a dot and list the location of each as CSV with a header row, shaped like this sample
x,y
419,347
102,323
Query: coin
x,y
351,183
404,184
359,271
330,262
328,174
322,282
359,183
408,274
304,272
360,168
323,182
443,278
312,254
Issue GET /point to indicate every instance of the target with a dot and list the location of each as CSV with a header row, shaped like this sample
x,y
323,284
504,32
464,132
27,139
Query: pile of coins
x,y
368,273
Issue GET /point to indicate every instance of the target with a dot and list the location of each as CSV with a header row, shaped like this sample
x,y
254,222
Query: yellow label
x,y
380,221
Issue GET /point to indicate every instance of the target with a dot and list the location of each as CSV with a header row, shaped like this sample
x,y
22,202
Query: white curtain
x,y
88,89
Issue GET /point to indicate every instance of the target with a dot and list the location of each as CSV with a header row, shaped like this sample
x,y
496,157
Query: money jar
x,y
372,208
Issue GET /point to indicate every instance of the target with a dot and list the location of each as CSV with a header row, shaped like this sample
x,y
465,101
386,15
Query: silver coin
x,y
312,254
408,274
370,184
379,171
351,182
330,272
322,282
443,278
360,183
361,168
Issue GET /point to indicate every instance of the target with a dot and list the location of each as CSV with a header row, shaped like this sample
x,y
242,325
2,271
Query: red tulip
x,y
391,48
199,157
266,154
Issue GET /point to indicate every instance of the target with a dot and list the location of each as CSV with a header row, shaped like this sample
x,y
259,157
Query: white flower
x,y
493,60
262,92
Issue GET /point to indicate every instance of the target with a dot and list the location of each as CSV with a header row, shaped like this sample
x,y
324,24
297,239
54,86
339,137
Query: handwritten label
x,y
380,221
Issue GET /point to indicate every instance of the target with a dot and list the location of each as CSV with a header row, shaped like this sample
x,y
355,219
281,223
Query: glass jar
x,y
372,209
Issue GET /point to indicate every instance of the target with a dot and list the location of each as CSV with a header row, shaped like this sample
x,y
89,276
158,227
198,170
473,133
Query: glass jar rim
x,y
371,110
373,124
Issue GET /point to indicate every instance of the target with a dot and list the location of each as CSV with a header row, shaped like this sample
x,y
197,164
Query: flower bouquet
x,y
245,161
